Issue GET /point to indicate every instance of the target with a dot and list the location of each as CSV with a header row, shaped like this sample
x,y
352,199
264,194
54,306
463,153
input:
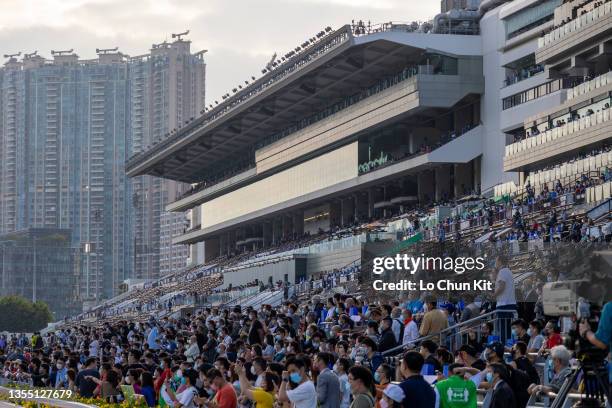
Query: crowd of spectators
x,y
312,353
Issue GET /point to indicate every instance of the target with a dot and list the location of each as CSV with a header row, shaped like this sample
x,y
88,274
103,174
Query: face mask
x,y
253,370
315,345
529,332
277,337
127,379
335,368
377,377
384,403
514,334
489,377
295,378
59,366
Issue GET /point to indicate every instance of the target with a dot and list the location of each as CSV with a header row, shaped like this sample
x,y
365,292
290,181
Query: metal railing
x,y
452,337
576,24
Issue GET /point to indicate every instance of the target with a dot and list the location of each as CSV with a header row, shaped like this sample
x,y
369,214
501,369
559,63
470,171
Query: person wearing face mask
x,y
185,398
371,358
225,395
518,380
193,350
501,394
328,384
392,397
341,369
560,368
382,378
536,340
279,351
372,330
519,331
258,367
60,375
303,393
165,366
521,362
262,396
387,336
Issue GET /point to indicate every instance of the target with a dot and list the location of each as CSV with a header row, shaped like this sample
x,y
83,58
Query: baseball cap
x,y
394,392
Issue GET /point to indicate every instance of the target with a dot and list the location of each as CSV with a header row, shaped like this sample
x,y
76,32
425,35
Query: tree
x,y
20,315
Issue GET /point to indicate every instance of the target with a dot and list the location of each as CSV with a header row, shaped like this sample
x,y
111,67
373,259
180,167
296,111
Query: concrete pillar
x,y
477,178
341,212
442,175
425,186
463,179
211,249
370,202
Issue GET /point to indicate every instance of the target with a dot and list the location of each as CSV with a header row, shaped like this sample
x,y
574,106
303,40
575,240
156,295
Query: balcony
x,y
584,29
590,86
558,141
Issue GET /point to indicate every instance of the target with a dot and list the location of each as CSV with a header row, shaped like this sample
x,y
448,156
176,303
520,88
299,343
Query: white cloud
x,y
240,35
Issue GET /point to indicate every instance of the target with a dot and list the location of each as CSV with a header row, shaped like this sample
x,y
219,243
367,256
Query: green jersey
x,y
456,392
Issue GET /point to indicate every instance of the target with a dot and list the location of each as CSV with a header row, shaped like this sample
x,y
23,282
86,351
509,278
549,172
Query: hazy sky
x,y
240,35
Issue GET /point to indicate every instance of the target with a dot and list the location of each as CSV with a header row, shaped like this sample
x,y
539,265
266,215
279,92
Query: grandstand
x,y
393,133
482,133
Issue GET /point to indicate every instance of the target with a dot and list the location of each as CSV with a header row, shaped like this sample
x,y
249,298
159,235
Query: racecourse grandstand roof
x,y
336,65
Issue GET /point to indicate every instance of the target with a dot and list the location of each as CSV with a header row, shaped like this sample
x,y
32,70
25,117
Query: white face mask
x,y
253,370
127,380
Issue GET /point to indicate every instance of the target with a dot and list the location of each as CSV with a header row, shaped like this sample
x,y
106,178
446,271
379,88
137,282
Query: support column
x,y
370,202
442,175
425,186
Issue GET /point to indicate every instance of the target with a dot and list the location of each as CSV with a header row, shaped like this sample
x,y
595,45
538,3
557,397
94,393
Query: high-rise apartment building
x,y
66,128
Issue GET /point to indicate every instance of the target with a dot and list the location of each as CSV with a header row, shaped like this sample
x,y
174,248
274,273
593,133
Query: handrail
x,y
575,25
595,83
558,132
442,332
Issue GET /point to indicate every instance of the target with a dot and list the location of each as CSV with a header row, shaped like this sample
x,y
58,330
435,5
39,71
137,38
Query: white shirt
x,y
304,396
185,398
411,332
507,297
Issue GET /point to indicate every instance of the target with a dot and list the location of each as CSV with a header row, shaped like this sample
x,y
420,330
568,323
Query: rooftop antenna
x,y
179,35
62,52
12,55
106,50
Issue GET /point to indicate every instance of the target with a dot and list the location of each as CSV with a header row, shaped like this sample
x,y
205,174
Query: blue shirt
x,y
419,394
149,395
151,339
